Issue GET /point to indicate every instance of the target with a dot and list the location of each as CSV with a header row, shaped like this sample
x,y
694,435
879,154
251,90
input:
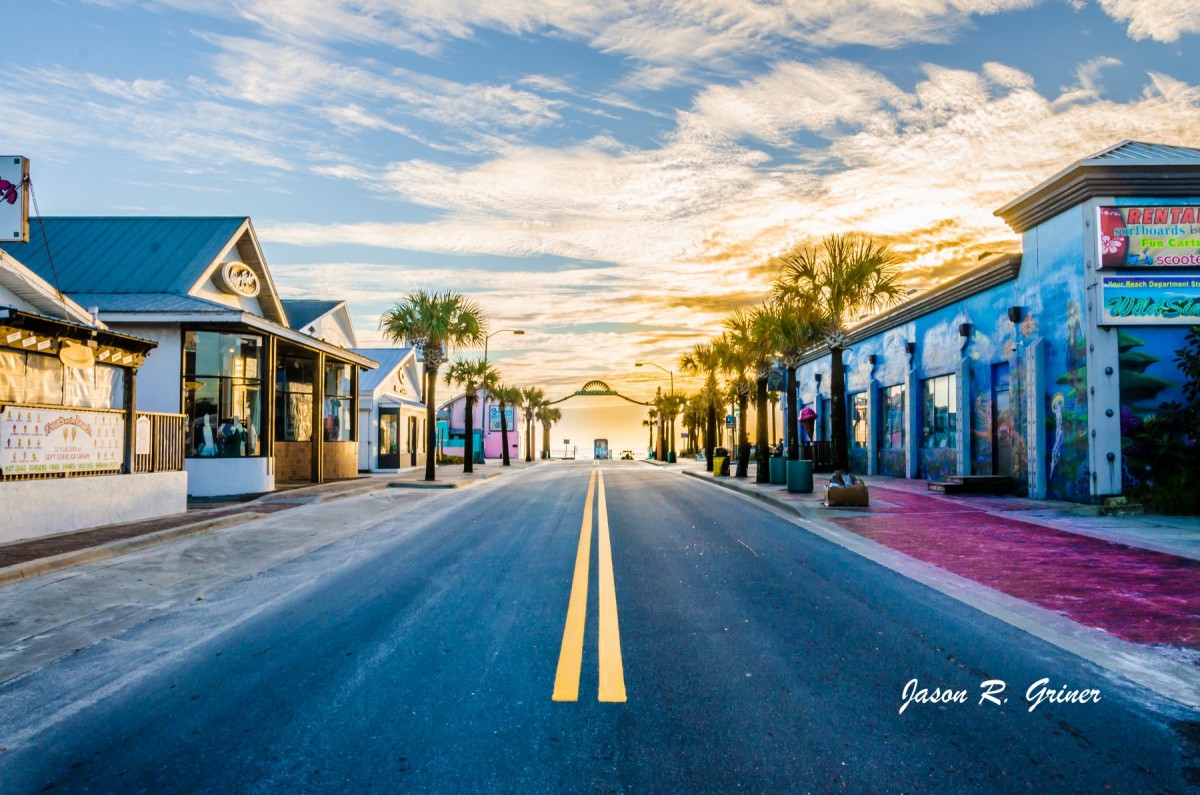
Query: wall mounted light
x,y
1014,314
910,348
873,359
817,378
964,329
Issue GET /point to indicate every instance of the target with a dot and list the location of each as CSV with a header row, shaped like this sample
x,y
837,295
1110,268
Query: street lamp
x,y
671,454
494,333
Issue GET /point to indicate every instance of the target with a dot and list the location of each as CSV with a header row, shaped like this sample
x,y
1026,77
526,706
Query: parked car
x,y
626,455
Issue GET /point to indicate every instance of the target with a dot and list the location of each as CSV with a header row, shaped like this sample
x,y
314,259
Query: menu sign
x,y
1135,237
50,441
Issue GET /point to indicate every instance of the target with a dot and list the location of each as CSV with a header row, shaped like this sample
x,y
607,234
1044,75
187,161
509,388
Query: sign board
x,y
1158,299
14,198
494,418
1155,236
730,420
50,441
142,436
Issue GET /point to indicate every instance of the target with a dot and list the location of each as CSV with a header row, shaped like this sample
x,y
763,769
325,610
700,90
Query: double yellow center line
x,y
570,658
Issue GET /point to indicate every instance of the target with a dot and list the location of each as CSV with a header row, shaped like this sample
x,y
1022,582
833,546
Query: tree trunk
x,y
790,427
762,454
431,375
837,411
659,455
469,437
710,433
743,465
504,432
546,441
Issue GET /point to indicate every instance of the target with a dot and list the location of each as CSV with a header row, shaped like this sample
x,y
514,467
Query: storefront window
x,y
339,403
41,379
861,435
939,419
293,399
222,385
892,429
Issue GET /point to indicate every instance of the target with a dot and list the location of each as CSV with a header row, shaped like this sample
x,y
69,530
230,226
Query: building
x,y
264,402
489,435
74,452
391,410
1043,365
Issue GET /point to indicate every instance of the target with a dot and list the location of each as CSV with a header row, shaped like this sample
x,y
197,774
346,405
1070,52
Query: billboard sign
x,y
1155,236
51,441
1166,299
14,198
494,418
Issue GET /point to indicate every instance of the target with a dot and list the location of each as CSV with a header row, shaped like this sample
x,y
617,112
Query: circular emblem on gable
x,y
237,278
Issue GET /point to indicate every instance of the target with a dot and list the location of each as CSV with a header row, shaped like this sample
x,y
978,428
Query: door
x,y
1003,422
389,438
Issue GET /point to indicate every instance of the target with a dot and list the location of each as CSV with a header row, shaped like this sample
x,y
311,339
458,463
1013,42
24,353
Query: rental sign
x,y
1135,237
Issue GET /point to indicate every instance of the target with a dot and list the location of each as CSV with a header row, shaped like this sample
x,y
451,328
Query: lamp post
x,y
484,407
671,454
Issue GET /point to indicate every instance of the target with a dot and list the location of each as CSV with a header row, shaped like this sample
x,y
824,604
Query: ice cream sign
x,y
1165,237
52,441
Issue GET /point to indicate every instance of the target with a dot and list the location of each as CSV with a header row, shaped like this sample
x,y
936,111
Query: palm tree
x,y
751,331
703,358
795,327
547,416
846,276
506,396
671,406
430,321
472,376
532,399
736,360
650,422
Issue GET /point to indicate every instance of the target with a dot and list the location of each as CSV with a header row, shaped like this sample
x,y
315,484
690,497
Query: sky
x,y
612,176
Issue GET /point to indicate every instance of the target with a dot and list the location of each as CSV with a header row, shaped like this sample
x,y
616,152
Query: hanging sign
x,y
14,198
1162,299
1136,237
51,441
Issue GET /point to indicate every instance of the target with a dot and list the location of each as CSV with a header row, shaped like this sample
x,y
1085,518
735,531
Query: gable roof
x,y
303,311
390,359
1127,169
124,255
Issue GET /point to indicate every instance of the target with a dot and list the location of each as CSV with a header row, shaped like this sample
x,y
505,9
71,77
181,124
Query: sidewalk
x,y
31,558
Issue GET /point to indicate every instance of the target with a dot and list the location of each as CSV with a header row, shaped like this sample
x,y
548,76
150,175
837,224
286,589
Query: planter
x,y
778,473
800,477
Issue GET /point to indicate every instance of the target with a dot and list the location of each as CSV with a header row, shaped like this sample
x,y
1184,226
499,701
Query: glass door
x,y
389,438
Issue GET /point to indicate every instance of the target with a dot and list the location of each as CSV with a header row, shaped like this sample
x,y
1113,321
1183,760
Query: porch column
x,y
318,418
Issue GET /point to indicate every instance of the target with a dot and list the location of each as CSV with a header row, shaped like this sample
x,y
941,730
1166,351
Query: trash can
x,y
800,476
778,476
720,462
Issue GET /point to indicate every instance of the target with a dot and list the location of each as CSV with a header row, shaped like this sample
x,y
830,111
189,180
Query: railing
x,y
163,451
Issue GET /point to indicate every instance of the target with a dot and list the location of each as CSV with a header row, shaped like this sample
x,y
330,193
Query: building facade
x,y
1045,365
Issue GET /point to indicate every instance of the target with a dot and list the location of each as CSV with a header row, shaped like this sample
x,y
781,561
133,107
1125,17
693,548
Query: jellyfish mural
x,y
1056,405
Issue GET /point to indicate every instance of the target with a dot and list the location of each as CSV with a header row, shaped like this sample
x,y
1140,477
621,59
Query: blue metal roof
x,y
302,311
389,359
148,302
124,255
1138,152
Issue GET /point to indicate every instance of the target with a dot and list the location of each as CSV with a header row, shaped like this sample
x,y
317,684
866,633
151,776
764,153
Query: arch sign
x,y
596,388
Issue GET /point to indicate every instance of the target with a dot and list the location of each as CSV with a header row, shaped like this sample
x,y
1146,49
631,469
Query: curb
x,y
434,484
1138,664
65,560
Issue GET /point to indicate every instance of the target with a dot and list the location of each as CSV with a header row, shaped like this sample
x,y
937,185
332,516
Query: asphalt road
x,y
753,656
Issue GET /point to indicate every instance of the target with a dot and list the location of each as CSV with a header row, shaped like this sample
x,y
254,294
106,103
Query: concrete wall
x,y
36,508
219,477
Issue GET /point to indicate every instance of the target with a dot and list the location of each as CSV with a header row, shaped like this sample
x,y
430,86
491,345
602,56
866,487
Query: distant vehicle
x,y
626,455
600,450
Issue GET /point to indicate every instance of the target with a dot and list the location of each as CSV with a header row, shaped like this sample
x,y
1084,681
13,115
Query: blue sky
x,y
613,177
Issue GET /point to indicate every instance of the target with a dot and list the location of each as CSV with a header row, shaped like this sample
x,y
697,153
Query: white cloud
x,y
1160,20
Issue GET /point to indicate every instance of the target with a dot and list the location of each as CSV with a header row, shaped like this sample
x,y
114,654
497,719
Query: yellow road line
x,y
570,657
612,673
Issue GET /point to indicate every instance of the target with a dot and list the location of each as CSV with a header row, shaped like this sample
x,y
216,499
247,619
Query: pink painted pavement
x,y
1136,594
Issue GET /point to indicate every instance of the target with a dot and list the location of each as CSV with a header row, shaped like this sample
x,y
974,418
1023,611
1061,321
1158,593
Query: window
x,y
939,419
293,399
861,435
892,430
339,403
222,387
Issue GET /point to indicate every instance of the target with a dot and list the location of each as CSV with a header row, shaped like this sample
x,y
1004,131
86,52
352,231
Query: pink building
x,y
452,427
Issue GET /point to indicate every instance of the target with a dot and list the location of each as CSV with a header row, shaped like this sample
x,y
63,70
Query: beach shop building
x,y
1044,366
263,402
